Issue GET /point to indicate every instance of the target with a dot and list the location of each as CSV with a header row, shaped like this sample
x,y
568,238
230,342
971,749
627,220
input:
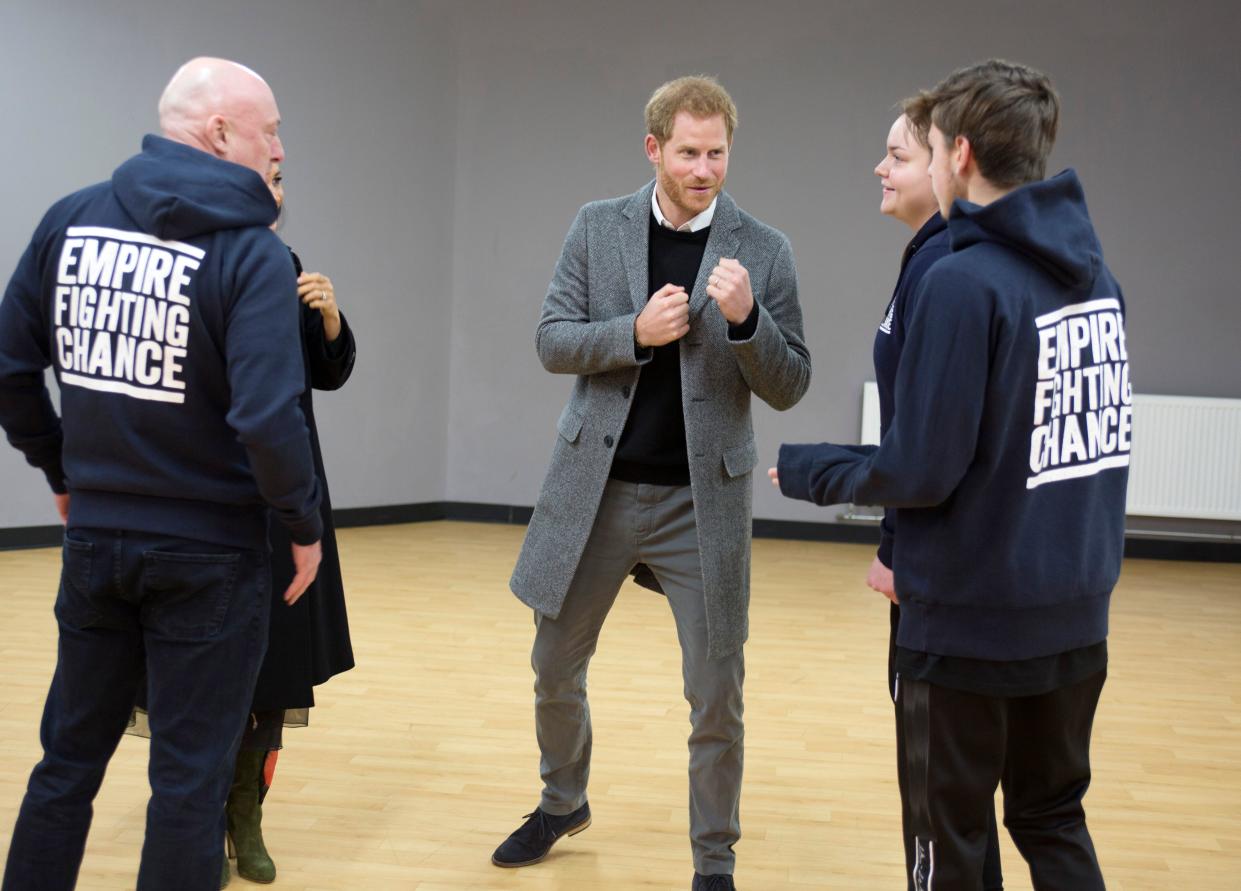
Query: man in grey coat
x,y
671,306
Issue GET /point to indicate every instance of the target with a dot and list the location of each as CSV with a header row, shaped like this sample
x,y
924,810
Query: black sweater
x,y
652,446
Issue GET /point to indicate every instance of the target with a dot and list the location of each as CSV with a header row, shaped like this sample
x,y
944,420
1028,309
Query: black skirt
x,y
309,641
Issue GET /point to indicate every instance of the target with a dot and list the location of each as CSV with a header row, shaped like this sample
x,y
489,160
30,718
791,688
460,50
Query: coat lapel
x,y
635,237
722,242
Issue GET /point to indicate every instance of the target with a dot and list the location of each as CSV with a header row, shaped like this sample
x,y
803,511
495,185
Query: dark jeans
x,y
959,746
992,873
194,617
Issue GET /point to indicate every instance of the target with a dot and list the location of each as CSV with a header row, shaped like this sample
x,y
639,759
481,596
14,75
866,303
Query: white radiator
x,y
870,413
1186,459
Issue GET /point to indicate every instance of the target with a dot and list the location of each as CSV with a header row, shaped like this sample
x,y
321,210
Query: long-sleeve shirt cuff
x,y
746,329
641,354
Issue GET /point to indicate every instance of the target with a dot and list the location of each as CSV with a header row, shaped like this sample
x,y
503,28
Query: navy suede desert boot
x,y
534,838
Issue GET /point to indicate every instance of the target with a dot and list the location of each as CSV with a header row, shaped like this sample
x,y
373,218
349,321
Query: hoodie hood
x,y
1047,221
175,191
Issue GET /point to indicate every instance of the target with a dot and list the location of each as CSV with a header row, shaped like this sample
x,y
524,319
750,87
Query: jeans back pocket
x,y
74,607
186,596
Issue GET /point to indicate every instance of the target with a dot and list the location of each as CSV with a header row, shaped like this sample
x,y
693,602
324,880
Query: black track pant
x,y
992,874
959,746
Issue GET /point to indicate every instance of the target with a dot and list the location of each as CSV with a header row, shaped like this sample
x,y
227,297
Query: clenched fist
x,y
665,318
729,286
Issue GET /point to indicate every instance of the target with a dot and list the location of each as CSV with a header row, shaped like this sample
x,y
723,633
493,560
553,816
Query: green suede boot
x,y
245,817
225,875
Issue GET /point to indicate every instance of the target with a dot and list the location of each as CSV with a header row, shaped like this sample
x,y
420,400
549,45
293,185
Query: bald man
x,y
168,311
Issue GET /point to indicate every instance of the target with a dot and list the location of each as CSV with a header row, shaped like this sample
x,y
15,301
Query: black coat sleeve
x,y
331,362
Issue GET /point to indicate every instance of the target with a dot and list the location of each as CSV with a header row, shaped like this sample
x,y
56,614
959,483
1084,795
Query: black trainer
x,y
534,838
713,883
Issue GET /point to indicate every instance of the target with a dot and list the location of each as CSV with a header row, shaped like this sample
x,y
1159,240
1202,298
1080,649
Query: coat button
x,y
607,441
625,392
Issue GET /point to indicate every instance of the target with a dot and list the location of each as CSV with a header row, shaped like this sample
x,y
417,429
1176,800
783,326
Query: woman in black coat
x,y
308,641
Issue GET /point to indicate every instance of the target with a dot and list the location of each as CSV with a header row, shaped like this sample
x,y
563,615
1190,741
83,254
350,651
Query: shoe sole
x,y
580,827
257,881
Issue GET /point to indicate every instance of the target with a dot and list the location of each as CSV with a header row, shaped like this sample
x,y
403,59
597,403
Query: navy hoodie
x,y
1009,450
929,244
168,311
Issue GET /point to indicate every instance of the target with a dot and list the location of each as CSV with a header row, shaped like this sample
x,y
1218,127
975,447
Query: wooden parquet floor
x,y
417,763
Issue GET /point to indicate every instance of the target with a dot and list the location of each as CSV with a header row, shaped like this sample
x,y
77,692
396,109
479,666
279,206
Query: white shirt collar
x,y
702,221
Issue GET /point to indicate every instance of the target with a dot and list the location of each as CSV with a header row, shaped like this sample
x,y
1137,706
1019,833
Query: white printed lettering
x,y
121,312
1083,414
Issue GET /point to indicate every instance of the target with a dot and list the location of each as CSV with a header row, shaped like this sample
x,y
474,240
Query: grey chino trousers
x,y
641,523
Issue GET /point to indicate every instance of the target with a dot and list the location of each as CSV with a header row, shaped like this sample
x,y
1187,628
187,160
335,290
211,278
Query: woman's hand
x,y
316,291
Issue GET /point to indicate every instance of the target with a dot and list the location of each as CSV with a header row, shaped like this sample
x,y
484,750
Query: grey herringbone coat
x,y
586,328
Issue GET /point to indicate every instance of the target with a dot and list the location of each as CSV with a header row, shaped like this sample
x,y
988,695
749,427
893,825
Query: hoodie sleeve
x,y
26,413
940,392
263,352
932,250
887,537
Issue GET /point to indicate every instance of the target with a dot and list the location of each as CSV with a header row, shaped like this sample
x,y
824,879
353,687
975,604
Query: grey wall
x,y
367,95
550,116
438,151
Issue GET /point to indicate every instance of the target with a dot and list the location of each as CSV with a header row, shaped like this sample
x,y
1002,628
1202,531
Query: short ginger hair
x,y
700,95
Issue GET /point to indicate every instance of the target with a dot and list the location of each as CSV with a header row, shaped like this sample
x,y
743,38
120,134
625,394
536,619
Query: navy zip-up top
x,y
1009,449
167,309
929,244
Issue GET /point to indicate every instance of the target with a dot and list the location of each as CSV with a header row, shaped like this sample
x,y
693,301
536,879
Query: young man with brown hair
x,y
671,306
1007,462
